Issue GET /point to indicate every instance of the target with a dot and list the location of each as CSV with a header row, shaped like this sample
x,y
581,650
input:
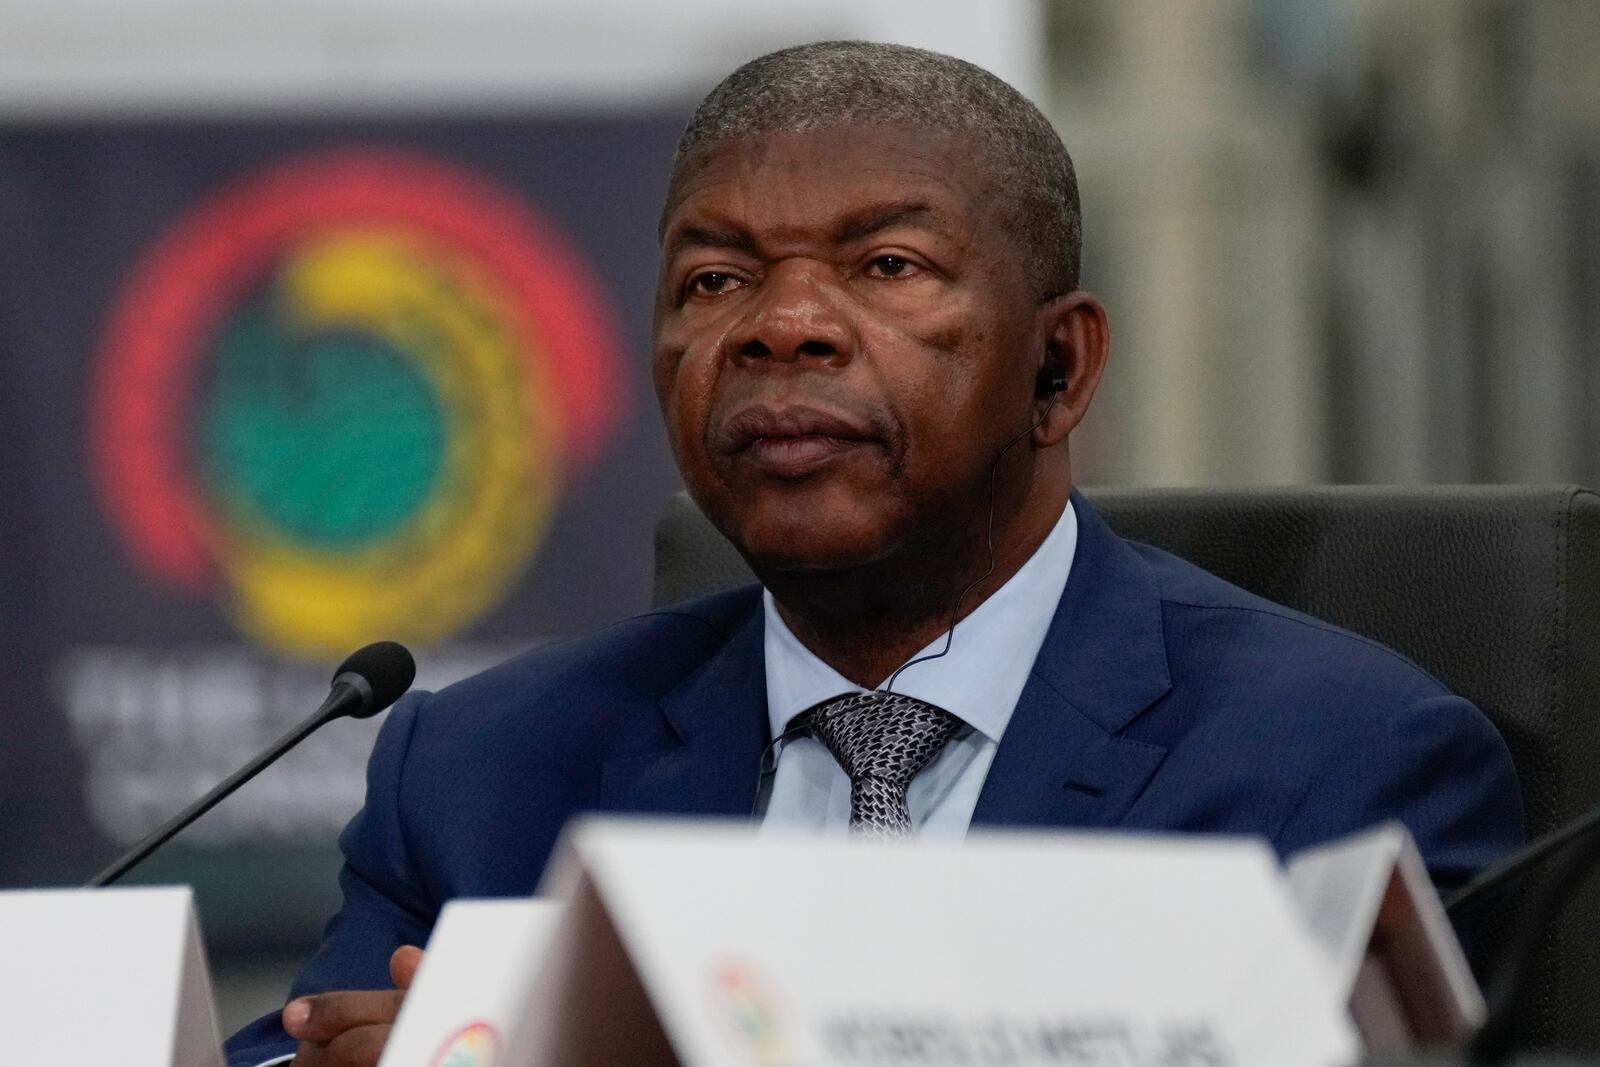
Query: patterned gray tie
x,y
883,741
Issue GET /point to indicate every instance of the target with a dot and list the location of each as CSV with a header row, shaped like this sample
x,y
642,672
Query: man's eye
x,y
891,267
712,283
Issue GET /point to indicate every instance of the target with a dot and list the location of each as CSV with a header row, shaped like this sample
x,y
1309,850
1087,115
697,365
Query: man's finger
x,y
322,1018
403,965
360,1047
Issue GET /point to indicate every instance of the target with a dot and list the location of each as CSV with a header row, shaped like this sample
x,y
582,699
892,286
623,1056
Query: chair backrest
x,y
1494,589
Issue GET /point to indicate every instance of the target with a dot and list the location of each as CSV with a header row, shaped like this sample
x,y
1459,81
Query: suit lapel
x,y
1060,762
1104,660
718,717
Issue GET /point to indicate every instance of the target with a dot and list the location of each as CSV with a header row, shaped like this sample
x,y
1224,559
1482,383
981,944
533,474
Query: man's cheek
x,y
935,322
680,378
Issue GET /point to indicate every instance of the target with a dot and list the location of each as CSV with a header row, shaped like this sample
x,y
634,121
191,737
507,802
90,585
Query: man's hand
x,y
349,1029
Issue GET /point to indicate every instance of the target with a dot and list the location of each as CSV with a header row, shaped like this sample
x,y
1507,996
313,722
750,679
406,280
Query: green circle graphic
x,y
332,438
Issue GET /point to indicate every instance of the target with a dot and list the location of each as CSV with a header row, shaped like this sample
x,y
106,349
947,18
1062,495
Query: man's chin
x,y
808,539
815,556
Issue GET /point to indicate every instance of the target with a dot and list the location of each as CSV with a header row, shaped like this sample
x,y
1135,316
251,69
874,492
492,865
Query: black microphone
x,y
1577,846
367,682
1490,883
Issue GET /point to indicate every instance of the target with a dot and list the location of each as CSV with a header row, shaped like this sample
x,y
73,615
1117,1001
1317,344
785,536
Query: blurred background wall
x,y
1343,240
327,320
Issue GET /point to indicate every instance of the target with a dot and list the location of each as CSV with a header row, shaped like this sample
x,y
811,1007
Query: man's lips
x,y
791,441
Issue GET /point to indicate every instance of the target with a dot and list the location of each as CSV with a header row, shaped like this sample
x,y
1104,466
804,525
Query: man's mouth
x,y
792,442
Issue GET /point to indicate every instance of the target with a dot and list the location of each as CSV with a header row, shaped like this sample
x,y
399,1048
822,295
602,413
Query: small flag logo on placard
x,y
474,1045
750,1011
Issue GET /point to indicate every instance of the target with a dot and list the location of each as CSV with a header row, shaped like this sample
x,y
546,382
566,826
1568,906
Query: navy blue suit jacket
x,y
1163,699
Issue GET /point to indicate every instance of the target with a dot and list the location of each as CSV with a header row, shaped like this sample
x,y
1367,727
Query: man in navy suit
x,y
871,349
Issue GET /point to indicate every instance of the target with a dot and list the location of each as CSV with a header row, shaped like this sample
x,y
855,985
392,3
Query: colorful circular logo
x,y
474,1045
341,396
749,1011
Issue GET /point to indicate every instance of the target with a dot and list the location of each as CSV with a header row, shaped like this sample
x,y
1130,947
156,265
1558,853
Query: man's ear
x,y
1077,342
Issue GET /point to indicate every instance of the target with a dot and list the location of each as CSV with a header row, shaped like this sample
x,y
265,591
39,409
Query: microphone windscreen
x,y
388,668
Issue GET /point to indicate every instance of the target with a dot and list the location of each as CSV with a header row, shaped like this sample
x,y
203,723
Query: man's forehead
x,y
849,183
748,226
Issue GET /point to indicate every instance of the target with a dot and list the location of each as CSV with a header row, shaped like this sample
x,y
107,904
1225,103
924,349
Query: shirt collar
x,y
990,658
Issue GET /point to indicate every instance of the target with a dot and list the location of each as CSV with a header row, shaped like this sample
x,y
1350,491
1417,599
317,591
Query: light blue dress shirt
x,y
979,682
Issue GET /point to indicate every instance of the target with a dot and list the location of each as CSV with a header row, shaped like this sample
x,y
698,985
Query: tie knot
x,y
884,736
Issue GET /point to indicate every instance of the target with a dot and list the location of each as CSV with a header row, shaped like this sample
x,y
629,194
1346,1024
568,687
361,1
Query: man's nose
x,y
797,313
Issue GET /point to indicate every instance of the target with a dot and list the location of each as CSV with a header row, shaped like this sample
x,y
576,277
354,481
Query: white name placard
x,y
468,996
104,976
709,946
1373,909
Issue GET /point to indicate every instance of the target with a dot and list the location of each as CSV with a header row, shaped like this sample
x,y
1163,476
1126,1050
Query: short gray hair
x,y
846,83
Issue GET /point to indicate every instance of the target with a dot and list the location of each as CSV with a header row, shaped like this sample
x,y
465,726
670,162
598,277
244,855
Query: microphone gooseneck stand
x,y
161,834
367,682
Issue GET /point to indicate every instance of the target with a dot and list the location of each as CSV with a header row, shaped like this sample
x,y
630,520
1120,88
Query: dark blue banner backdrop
x,y
271,390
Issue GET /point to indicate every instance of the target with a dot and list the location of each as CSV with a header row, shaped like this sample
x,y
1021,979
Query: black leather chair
x,y
1496,590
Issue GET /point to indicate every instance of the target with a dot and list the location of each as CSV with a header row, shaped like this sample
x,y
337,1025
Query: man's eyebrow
x,y
874,220
710,237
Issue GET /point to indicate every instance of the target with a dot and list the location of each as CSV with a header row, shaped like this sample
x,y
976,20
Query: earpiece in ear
x,y
1052,378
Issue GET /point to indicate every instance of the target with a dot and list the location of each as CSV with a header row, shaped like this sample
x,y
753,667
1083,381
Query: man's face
x,y
845,338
